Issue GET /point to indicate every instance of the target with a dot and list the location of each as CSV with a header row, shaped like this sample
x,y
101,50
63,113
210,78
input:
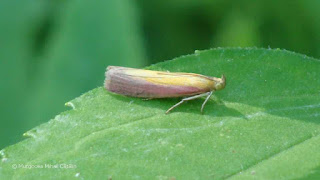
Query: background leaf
x,y
19,22
264,124
179,27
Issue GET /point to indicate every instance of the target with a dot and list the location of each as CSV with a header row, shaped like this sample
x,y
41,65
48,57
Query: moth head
x,y
220,83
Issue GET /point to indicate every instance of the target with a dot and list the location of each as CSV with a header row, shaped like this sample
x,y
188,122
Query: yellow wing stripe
x,y
167,78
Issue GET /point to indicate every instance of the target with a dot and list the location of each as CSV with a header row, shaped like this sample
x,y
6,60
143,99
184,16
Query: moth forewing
x,y
157,84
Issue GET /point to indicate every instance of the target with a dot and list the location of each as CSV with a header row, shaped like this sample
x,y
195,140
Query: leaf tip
x,y
31,133
70,104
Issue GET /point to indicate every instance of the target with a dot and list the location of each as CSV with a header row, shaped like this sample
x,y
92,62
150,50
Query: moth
x,y
159,84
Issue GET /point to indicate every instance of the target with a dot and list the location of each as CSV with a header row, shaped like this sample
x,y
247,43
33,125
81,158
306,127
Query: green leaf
x,y
264,124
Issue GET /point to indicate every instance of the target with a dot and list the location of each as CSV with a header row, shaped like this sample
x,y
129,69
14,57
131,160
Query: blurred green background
x,y
53,51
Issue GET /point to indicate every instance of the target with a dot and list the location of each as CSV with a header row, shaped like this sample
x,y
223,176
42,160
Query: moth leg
x,y
205,101
174,106
188,99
